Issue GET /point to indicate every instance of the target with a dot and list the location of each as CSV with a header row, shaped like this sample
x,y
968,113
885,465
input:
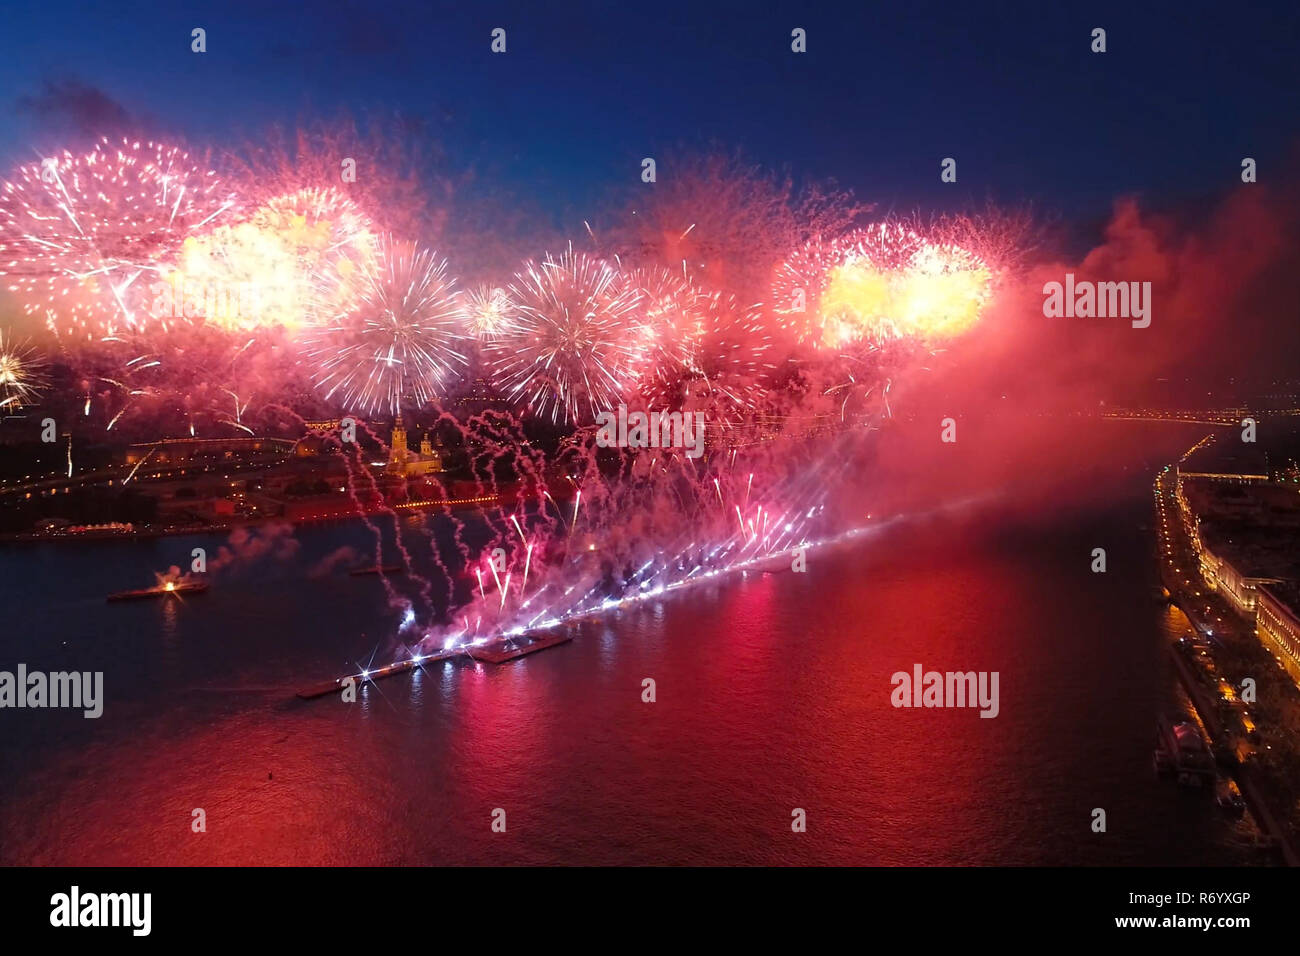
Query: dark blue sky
x,y
586,89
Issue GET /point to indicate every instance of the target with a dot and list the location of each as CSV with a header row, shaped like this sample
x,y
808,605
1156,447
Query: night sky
x,y
1130,160
585,90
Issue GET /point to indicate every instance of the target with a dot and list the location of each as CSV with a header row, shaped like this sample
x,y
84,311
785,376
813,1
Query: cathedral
x,y
403,461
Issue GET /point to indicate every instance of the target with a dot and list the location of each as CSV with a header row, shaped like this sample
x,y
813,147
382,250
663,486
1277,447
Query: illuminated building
x,y
402,461
1224,576
1278,627
1242,533
210,451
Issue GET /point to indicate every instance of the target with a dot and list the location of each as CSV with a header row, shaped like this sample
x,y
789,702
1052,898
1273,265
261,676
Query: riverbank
x,y
1231,642
334,516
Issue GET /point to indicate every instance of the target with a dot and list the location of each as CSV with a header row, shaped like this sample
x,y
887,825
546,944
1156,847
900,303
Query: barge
x,y
160,590
511,649
1181,750
497,651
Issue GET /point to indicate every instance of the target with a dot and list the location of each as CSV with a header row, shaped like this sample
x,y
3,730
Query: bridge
x,y
1224,417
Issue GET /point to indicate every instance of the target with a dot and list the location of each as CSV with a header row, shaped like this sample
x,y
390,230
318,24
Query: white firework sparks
x,y
397,338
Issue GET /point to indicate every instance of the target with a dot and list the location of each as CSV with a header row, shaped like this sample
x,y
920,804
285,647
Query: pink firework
x,y
576,346
84,237
674,317
394,185
397,337
735,358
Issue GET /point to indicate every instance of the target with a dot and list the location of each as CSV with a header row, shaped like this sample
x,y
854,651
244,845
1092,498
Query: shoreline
x,y
1259,799
354,514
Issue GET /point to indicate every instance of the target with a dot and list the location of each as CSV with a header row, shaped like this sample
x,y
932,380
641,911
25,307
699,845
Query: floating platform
x,y
388,670
512,649
162,590
496,652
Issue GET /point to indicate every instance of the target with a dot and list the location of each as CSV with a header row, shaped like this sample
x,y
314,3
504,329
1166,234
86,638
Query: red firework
x,y
735,359
674,319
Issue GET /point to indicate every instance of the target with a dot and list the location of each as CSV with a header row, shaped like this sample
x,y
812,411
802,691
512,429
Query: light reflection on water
x,y
772,693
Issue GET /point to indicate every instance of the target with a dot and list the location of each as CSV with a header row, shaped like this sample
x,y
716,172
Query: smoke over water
x,y
1025,389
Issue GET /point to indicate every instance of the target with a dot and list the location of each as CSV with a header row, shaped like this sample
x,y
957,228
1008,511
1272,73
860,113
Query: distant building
x,y
403,461
207,451
1243,534
1277,624
309,446
1227,577
479,395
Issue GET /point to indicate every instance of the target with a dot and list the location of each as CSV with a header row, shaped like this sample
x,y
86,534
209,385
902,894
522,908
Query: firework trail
x,y
458,526
667,530
502,447
196,374
397,336
354,467
83,238
576,346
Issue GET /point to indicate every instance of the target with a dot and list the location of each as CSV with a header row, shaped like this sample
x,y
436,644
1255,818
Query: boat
x,y
378,569
160,590
1181,749
1228,797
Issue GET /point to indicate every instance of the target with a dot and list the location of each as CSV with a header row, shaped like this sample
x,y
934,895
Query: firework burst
x,y
84,237
489,312
21,374
674,318
734,360
259,272
882,283
576,345
396,171
397,336
183,382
